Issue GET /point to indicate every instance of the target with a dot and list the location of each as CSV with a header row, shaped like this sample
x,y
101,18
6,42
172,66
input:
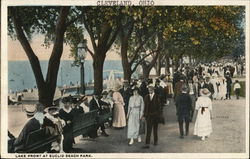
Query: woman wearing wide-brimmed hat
x,y
66,114
203,123
119,119
54,127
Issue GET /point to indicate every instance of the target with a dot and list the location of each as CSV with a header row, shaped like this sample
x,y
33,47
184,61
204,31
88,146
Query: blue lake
x,y
20,74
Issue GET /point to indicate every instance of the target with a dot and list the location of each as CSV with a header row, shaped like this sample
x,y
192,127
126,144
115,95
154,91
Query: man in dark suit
x,y
159,90
152,111
97,104
229,83
184,108
31,125
126,93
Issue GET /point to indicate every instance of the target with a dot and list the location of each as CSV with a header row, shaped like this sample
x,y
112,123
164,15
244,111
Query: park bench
x,y
83,123
38,142
104,116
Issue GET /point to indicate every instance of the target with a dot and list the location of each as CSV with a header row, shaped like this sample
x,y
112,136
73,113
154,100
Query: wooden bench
x,y
38,142
84,123
104,117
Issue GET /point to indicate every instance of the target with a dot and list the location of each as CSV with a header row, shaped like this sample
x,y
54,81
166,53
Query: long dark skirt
x,y
68,141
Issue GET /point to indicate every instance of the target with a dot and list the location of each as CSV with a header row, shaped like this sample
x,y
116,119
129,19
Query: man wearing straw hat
x,y
31,125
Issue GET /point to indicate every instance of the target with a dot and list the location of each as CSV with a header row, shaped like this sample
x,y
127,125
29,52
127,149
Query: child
x,y
237,89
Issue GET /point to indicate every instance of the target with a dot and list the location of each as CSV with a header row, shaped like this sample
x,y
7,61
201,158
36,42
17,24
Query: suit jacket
x,y
177,89
77,110
126,94
153,108
160,92
32,125
183,104
94,106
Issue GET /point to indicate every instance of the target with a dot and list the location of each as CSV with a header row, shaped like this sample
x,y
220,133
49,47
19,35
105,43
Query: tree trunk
x,y
158,67
190,59
145,70
176,63
98,72
167,65
45,96
46,89
127,72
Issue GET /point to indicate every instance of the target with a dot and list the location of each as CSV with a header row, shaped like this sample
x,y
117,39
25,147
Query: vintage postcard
x,y
124,79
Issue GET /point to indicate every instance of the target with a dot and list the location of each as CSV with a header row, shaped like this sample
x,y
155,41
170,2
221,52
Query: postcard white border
x,y
4,75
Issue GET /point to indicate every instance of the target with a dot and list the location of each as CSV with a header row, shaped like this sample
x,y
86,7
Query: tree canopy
x,y
208,32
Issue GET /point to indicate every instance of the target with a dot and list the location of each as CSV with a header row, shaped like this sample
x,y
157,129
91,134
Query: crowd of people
x,y
138,103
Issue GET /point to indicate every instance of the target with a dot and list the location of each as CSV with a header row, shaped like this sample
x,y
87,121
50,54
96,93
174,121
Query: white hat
x,y
214,75
205,92
207,75
30,109
117,86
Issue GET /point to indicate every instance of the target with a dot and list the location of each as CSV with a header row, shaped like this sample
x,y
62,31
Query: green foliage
x,y
203,31
35,20
73,36
209,31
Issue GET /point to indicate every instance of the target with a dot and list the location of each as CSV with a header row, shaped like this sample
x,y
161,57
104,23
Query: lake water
x,y
20,74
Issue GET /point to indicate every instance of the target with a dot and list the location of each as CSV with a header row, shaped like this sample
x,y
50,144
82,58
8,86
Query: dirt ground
x,y
228,133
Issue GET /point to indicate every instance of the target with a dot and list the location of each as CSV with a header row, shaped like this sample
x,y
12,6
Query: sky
x,y
16,52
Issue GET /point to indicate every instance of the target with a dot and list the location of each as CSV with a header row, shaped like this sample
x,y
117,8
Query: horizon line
x,y
68,60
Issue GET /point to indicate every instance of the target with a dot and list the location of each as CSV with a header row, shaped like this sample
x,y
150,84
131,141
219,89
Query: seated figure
x,y
31,125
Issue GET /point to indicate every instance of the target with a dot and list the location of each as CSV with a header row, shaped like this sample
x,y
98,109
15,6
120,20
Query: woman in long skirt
x,y
119,119
135,113
203,123
222,88
66,115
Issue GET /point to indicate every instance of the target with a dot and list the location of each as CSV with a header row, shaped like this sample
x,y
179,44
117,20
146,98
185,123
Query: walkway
x,y
228,134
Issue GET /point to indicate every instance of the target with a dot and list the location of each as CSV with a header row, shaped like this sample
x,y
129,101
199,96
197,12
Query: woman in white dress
x,y
135,113
215,82
119,119
203,123
222,88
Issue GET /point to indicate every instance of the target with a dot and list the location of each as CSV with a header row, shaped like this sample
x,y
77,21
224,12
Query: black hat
x,y
104,93
157,80
135,88
53,108
65,100
73,100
